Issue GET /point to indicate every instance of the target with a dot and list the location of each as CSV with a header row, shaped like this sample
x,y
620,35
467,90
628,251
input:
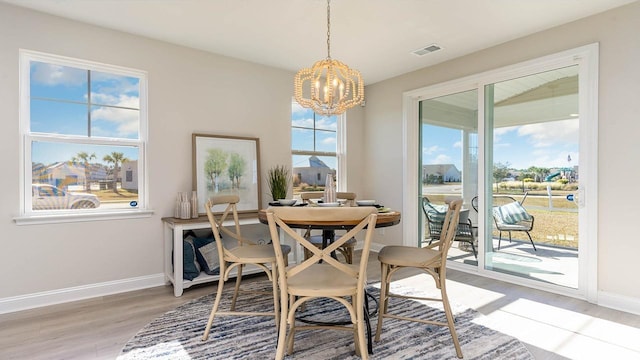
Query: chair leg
x,y
382,304
349,252
276,299
361,343
499,240
237,288
214,309
292,326
450,319
473,247
530,239
282,331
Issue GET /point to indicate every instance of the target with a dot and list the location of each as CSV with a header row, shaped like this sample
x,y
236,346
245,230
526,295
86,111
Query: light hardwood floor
x,y
551,326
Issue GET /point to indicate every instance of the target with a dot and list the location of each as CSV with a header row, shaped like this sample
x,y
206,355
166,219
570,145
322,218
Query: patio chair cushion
x,y
436,212
511,213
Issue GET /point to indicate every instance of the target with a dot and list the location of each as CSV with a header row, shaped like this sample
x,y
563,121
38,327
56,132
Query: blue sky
x,y
303,139
546,145
59,97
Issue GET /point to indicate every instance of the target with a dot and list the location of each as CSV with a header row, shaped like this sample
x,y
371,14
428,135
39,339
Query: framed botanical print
x,y
226,165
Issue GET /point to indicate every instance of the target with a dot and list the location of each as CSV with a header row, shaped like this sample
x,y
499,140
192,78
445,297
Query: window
x,y
83,131
316,148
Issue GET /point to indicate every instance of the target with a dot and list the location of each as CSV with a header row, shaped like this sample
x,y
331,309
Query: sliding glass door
x,y
533,168
449,168
519,146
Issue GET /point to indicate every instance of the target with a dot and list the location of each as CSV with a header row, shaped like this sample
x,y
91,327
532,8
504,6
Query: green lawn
x,y
558,227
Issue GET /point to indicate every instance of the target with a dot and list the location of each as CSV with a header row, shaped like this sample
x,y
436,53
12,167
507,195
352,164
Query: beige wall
x,y
189,91
619,125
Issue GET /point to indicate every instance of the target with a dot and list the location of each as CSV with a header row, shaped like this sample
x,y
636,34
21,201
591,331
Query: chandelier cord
x,y
328,29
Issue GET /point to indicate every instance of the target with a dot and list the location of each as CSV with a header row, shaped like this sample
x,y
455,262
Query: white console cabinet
x,y
173,235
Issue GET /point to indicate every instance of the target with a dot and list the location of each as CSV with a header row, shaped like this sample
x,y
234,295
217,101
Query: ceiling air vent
x,y
425,50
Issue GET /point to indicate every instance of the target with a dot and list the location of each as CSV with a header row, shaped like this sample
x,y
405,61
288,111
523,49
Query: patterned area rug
x,y
177,334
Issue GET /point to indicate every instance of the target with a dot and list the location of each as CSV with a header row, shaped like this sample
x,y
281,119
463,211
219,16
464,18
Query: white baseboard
x,y
619,302
46,298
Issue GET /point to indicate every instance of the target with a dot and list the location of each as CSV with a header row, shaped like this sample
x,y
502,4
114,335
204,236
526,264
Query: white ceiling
x,y
374,36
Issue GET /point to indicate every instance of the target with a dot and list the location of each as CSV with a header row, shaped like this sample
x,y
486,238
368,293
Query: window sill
x,y
69,218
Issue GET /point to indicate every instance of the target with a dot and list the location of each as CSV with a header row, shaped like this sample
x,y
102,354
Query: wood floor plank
x,y
98,328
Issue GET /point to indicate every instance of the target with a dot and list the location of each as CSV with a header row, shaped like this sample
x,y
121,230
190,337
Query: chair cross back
x,y
449,229
284,214
231,209
332,279
237,257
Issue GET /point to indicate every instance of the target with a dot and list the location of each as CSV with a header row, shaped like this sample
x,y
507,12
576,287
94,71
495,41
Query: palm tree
x,y
85,158
116,158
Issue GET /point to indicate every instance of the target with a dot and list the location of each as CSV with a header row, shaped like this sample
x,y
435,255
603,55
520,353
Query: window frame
x,y
27,214
339,154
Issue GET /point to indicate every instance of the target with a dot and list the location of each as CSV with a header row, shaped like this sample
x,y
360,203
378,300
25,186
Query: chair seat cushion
x,y
408,256
322,279
258,253
526,226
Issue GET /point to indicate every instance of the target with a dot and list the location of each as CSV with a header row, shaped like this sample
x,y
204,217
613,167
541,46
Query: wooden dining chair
x,y
348,248
432,259
321,275
241,253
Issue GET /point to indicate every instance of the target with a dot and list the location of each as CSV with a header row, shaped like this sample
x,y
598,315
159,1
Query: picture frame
x,y
227,165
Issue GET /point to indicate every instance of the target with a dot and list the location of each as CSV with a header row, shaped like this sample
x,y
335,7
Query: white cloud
x,y
457,144
329,141
326,123
551,134
431,150
126,122
53,75
442,159
499,133
306,123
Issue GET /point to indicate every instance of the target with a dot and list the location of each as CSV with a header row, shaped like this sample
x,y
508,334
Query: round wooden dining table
x,y
385,219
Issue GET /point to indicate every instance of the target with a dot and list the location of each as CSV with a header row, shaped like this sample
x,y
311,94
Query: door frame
x,y
587,59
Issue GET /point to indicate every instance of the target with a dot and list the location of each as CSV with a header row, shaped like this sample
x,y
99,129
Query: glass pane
x,y
58,82
81,176
58,117
326,122
326,141
534,170
115,122
301,117
310,172
302,139
117,90
449,158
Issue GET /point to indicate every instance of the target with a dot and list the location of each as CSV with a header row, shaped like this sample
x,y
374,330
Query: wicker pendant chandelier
x,y
329,87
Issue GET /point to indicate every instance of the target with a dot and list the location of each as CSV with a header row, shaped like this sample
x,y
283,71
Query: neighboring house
x,y
97,172
129,175
443,172
314,174
63,174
